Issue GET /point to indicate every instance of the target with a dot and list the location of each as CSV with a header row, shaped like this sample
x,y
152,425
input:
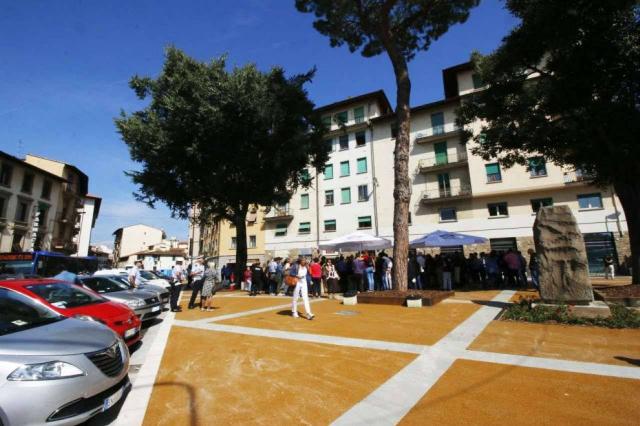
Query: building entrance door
x,y
599,245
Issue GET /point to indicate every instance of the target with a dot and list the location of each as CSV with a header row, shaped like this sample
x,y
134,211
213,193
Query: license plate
x,y
155,309
112,400
130,332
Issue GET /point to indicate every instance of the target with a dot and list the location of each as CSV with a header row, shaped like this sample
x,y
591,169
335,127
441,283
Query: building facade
x,y
130,240
30,200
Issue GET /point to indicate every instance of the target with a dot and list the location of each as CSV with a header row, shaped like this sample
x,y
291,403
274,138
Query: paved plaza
x,y
250,362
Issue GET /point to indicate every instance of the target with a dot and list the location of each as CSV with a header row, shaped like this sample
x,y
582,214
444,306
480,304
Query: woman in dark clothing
x,y
257,279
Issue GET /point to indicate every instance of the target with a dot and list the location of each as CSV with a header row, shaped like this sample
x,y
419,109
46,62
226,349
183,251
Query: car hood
x,y
65,337
160,282
152,288
105,310
130,294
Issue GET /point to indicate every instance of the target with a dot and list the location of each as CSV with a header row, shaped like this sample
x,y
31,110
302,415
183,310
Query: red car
x,y
74,301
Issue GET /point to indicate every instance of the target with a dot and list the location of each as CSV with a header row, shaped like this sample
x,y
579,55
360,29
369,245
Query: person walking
x,y
332,278
609,268
197,279
208,290
177,275
534,268
300,271
316,277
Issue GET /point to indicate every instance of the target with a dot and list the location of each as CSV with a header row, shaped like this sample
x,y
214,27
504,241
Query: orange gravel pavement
x,y
479,393
424,326
208,377
230,305
577,343
476,295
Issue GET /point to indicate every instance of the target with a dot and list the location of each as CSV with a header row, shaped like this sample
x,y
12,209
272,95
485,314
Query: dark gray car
x,y
56,370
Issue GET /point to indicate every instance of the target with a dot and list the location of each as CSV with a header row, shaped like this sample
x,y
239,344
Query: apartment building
x,y
79,210
218,242
341,199
162,255
130,240
30,199
457,191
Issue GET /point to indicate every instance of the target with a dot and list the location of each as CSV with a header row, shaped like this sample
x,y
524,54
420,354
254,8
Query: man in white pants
x,y
300,271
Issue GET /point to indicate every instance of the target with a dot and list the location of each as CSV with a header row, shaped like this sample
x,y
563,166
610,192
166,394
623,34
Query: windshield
x,y
18,312
64,295
105,284
148,275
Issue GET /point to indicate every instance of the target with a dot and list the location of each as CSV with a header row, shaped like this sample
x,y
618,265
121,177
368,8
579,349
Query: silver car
x,y
56,370
160,289
146,304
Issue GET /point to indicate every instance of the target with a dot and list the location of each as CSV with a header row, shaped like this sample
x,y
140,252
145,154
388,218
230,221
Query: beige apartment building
x,y
133,239
217,242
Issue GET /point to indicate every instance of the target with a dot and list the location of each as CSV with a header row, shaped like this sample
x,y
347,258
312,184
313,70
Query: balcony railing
x,y
443,161
279,213
437,136
449,193
577,176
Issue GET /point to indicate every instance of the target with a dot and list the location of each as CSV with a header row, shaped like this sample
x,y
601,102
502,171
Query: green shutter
x,y
342,117
358,114
345,195
492,169
344,168
437,123
328,171
304,201
440,149
362,165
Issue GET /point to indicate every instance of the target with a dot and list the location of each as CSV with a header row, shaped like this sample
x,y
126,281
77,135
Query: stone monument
x,y
564,272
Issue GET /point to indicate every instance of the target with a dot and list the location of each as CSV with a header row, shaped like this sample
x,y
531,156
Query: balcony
x,y
434,196
577,176
278,214
443,162
438,136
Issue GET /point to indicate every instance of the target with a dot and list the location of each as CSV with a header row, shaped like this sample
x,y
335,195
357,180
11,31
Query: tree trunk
x,y
629,195
240,221
402,186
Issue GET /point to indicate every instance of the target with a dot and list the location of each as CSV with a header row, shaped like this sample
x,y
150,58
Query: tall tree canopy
x,y
566,83
221,140
399,28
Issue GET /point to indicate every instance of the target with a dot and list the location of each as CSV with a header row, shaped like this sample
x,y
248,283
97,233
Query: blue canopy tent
x,y
446,239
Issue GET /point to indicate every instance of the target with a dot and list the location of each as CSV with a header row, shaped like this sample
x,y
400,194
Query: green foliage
x,y
374,25
223,140
621,317
564,83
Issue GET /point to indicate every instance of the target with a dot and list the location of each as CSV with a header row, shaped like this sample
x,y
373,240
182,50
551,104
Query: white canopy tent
x,y
356,241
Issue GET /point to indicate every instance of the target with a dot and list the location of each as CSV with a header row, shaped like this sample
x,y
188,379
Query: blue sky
x,y
65,67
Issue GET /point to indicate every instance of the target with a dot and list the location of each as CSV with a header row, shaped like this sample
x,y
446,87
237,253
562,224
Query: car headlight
x,y
88,318
52,370
135,303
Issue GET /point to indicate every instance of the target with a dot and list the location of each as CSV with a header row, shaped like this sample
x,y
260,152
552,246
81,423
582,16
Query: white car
x,y
148,277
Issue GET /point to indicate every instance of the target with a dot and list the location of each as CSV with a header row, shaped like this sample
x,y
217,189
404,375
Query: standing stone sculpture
x,y
564,272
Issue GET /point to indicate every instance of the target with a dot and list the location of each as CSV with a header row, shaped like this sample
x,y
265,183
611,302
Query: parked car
x,y
75,301
162,289
53,369
162,292
146,304
154,278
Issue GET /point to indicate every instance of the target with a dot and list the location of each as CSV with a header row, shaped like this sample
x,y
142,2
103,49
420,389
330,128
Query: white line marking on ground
x,y
251,312
389,403
306,337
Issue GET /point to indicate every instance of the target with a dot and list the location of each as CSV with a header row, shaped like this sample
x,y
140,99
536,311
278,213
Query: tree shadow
x,y
632,361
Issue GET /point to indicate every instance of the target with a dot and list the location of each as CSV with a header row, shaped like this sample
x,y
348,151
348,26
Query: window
x,y
437,123
345,195
362,165
477,81
22,211
234,243
27,183
394,130
252,241
358,114
361,139
448,214
344,169
537,167
344,142
305,177
4,200
409,219
326,121
540,202
363,193
330,225
493,172
329,143
589,201
304,228
304,201
281,229
498,209
364,222
328,172
46,190
342,117
43,209
6,171
328,197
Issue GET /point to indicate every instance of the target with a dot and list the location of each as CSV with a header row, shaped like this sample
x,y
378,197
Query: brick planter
x,y
429,297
